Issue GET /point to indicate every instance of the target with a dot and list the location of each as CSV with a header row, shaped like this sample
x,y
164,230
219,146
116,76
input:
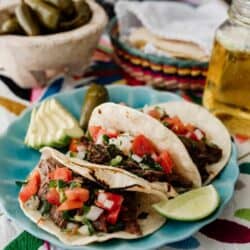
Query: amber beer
x,y
227,92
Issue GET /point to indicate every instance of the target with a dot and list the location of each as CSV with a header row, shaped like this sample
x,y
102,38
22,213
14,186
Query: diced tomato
x,y
190,127
155,114
97,131
77,194
142,146
53,197
109,201
175,124
94,132
112,217
31,188
70,205
196,135
111,133
73,145
63,174
112,203
165,161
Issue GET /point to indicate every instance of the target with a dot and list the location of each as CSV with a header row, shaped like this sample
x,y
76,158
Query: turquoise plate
x,y
16,161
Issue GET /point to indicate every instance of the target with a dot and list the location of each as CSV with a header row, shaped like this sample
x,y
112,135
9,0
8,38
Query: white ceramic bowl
x,y
32,61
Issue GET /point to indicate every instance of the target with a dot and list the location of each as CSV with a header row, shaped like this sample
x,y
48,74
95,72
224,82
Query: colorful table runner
x,y
230,231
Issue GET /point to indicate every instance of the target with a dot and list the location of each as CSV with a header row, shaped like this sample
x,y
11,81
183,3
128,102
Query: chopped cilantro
x,y
149,161
166,124
62,196
89,225
45,208
75,184
57,184
86,209
72,154
105,139
66,215
20,183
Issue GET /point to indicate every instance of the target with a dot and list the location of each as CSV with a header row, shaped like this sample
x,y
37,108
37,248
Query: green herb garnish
x,y
89,225
57,184
66,216
116,161
72,154
75,184
105,139
149,161
61,184
166,124
62,196
20,183
86,209
53,184
45,208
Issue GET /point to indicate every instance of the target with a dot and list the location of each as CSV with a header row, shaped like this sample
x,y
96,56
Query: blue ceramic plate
x,y
16,161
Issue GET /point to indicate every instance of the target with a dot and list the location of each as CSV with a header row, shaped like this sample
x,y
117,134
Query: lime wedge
x,y
190,206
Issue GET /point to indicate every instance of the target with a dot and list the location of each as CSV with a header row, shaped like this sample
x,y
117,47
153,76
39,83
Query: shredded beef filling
x,y
202,154
57,217
103,154
100,224
128,215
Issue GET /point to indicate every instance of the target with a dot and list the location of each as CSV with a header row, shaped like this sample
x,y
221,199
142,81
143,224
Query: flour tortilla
x,y
215,131
145,197
122,118
140,37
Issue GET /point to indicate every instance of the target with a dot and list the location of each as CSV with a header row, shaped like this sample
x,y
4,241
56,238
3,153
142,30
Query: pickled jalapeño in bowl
x,y
227,91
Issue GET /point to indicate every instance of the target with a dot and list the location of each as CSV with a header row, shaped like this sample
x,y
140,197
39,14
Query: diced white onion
x,y
188,135
198,134
83,230
71,226
108,204
123,142
81,148
101,197
136,158
99,139
32,203
81,155
94,213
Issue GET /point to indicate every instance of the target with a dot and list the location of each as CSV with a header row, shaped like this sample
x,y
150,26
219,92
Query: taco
x,y
125,138
204,136
91,203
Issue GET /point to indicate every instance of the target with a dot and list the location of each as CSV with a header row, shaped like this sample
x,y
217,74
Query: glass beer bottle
x,y
227,91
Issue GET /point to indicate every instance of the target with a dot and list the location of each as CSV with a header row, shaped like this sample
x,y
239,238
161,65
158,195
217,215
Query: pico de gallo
x,y
194,139
136,154
78,205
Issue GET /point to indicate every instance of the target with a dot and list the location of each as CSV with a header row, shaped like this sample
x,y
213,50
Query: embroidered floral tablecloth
x,y
230,231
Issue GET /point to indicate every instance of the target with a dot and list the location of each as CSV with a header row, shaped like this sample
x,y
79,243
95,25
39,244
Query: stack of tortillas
x,y
171,28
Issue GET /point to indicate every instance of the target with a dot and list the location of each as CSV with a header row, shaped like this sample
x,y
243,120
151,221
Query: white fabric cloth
x,y
174,20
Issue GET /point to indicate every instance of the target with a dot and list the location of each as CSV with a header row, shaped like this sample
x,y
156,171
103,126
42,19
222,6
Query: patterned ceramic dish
x,y
17,160
161,72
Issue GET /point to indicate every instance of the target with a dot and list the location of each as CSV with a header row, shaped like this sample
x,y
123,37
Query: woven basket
x,y
158,71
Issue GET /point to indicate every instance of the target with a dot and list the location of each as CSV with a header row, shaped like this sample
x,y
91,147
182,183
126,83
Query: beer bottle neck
x,y
240,12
